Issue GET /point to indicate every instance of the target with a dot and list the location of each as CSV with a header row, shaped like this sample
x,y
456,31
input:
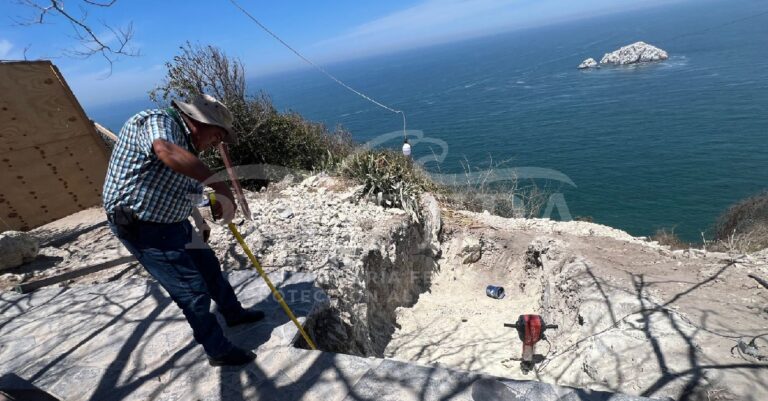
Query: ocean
x,y
664,145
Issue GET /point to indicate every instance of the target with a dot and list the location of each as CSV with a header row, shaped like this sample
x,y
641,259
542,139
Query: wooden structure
x,y
52,161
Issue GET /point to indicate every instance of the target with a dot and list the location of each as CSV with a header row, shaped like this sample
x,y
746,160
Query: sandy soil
x,y
634,317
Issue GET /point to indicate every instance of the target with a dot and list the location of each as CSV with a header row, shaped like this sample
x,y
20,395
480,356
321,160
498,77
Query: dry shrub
x,y
744,226
496,190
669,238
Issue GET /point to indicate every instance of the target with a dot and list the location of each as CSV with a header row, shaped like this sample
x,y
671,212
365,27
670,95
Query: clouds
x,y
6,47
435,21
428,21
428,15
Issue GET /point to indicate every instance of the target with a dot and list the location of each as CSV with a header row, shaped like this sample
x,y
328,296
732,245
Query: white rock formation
x,y
588,63
17,248
471,249
638,52
368,259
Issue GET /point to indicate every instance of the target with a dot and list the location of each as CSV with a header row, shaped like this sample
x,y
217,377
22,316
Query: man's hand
x,y
224,206
184,162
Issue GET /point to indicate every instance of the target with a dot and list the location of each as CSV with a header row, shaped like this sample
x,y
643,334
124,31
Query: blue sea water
x,y
666,145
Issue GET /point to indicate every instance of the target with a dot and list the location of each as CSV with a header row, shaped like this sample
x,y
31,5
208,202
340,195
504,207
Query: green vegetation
x,y
288,142
389,177
266,136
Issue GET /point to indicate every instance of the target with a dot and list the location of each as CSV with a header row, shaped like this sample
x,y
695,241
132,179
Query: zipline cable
x,y
322,70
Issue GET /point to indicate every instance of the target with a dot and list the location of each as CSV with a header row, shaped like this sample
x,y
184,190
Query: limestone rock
x,y
638,52
284,183
541,250
471,249
285,213
17,248
356,249
588,63
309,181
432,223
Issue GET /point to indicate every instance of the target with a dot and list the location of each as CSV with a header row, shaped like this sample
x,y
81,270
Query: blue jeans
x,y
192,277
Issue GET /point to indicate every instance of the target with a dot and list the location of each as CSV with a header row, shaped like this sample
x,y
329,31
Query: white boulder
x,y
639,52
17,248
588,63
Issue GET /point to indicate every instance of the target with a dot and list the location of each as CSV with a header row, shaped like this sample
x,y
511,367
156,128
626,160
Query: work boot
x,y
235,357
244,316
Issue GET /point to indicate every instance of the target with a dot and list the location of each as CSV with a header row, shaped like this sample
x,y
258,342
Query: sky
x,y
326,32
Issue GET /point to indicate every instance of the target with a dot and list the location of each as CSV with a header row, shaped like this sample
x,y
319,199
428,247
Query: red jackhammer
x,y
530,328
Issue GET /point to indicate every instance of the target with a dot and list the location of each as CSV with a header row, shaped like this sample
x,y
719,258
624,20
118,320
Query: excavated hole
x,y
416,308
411,308
457,325
362,317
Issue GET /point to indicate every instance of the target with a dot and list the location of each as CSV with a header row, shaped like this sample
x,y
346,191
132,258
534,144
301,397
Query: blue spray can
x,y
493,291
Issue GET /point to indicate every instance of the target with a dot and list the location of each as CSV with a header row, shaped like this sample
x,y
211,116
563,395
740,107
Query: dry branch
x,y
91,43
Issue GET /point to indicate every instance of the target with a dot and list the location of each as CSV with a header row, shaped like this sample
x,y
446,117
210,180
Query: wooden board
x,y
52,161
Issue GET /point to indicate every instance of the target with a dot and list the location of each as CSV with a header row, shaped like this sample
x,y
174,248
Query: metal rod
x,y
271,286
224,152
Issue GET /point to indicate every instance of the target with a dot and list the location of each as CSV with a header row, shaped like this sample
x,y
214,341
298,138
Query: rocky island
x,y
588,63
638,52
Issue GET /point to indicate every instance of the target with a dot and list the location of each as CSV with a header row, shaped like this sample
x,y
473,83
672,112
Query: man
x,y
152,185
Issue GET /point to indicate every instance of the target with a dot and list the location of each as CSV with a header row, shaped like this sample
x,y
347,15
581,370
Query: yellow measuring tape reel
x,y
263,275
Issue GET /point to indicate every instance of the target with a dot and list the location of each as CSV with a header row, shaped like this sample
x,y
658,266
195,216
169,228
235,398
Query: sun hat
x,y
206,109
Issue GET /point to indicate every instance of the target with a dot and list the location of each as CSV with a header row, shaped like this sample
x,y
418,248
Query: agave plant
x,y
389,178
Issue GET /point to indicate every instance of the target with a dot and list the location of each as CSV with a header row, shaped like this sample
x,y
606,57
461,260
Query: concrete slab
x,y
392,380
127,341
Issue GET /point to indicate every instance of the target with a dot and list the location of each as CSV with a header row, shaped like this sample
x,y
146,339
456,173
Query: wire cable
x,y
322,70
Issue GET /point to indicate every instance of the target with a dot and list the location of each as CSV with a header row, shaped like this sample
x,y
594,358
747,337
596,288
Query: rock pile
x,y
369,259
304,227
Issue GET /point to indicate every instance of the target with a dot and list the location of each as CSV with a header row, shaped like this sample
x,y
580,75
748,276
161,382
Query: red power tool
x,y
530,328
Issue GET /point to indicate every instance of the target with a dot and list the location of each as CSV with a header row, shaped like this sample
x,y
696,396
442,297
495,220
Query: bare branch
x,y
40,12
203,69
96,3
90,43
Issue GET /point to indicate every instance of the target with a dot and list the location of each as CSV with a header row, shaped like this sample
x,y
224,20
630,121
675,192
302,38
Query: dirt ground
x,y
79,248
634,317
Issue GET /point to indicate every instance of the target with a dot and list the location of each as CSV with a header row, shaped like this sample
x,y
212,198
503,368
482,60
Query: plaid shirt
x,y
138,179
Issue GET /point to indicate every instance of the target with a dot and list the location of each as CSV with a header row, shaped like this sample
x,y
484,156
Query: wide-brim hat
x,y
207,110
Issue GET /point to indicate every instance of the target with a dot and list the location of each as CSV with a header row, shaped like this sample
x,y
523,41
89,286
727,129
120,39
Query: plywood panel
x,y
52,161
